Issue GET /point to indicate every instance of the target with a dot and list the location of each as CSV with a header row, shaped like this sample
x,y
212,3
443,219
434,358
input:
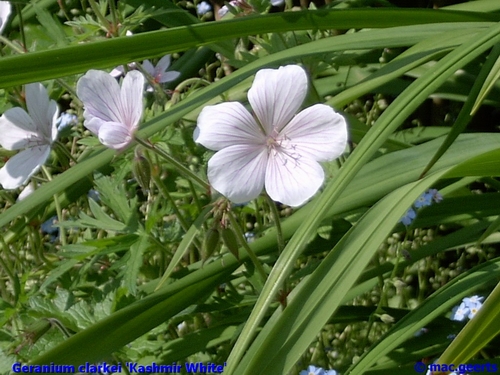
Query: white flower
x,y
28,189
34,131
275,150
113,114
203,8
159,72
5,10
225,9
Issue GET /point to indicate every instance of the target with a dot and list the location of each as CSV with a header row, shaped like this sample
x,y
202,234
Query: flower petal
x,y
42,110
17,129
292,181
169,76
5,10
277,94
131,99
22,166
237,172
148,67
317,132
114,135
163,64
227,124
100,94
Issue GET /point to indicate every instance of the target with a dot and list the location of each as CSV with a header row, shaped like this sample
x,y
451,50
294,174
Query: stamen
x,y
282,145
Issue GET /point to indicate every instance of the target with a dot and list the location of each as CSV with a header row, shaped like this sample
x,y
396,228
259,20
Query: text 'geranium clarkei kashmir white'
x,y
111,112
278,149
34,131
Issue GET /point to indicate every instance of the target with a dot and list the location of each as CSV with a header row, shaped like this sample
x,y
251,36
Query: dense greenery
x,y
125,257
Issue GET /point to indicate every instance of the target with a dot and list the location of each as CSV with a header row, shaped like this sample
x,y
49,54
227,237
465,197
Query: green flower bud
x,y
210,243
230,241
141,169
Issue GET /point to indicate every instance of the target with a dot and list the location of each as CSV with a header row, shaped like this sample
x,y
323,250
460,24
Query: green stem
x,y
12,45
62,231
100,16
166,194
180,168
21,25
276,218
237,229
9,271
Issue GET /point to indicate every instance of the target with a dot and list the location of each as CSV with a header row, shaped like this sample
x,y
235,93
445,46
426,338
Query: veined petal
x,y
53,129
237,172
131,99
100,93
114,135
227,124
17,129
148,67
22,166
277,94
317,132
93,124
5,10
169,76
163,64
292,181
41,109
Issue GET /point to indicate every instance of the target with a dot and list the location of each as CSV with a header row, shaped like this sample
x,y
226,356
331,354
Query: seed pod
x,y
210,243
230,241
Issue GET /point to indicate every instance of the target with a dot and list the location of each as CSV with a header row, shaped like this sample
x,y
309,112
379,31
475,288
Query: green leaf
x,y
134,263
118,329
40,66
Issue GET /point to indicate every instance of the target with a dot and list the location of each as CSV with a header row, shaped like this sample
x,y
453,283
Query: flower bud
x,y
230,241
210,243
141,169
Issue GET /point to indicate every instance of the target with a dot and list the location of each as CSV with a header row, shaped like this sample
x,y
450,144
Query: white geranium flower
x,y
34,131
5,10
159,72
113,114
276,149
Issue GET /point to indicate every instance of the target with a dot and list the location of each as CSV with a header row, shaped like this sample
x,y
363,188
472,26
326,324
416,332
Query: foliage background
x,y
128,276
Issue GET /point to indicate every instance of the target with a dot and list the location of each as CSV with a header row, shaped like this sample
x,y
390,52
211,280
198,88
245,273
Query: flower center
x,y
282,147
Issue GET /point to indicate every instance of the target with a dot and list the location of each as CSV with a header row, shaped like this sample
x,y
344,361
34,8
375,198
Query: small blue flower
x,y
408,216
424,200
473,301
436,195
203,8
459,312
66,119
95,195
250,237
48,226
469,307
313,370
